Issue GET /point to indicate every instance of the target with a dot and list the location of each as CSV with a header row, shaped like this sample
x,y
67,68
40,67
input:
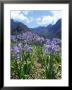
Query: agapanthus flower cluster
x,y
28,48
27,39
56,41
13,37
15,52
51,46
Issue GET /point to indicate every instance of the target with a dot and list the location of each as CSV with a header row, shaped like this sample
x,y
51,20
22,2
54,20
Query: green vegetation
x,y
36,65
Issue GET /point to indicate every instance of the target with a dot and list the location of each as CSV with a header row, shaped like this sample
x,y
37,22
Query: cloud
x,y
46,20
25,12
20,16
57,15
39,20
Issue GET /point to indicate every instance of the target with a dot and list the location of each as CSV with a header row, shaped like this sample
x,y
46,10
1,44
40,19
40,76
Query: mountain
x,y
50,31
55,30
18,27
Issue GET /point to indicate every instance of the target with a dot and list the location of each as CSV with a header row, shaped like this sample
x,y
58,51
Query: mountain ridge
x,y
50,31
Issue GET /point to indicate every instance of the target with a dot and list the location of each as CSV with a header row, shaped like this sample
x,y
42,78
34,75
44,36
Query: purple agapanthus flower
x,y
15,51
28,48
51,46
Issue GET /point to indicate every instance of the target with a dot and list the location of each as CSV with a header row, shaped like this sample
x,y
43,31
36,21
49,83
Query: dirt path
x,y
37,71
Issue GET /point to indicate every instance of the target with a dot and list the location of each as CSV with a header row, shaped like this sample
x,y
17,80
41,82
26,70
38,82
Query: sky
x,y
36,18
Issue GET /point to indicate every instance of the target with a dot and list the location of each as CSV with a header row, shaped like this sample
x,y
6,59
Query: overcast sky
x,y
35,18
